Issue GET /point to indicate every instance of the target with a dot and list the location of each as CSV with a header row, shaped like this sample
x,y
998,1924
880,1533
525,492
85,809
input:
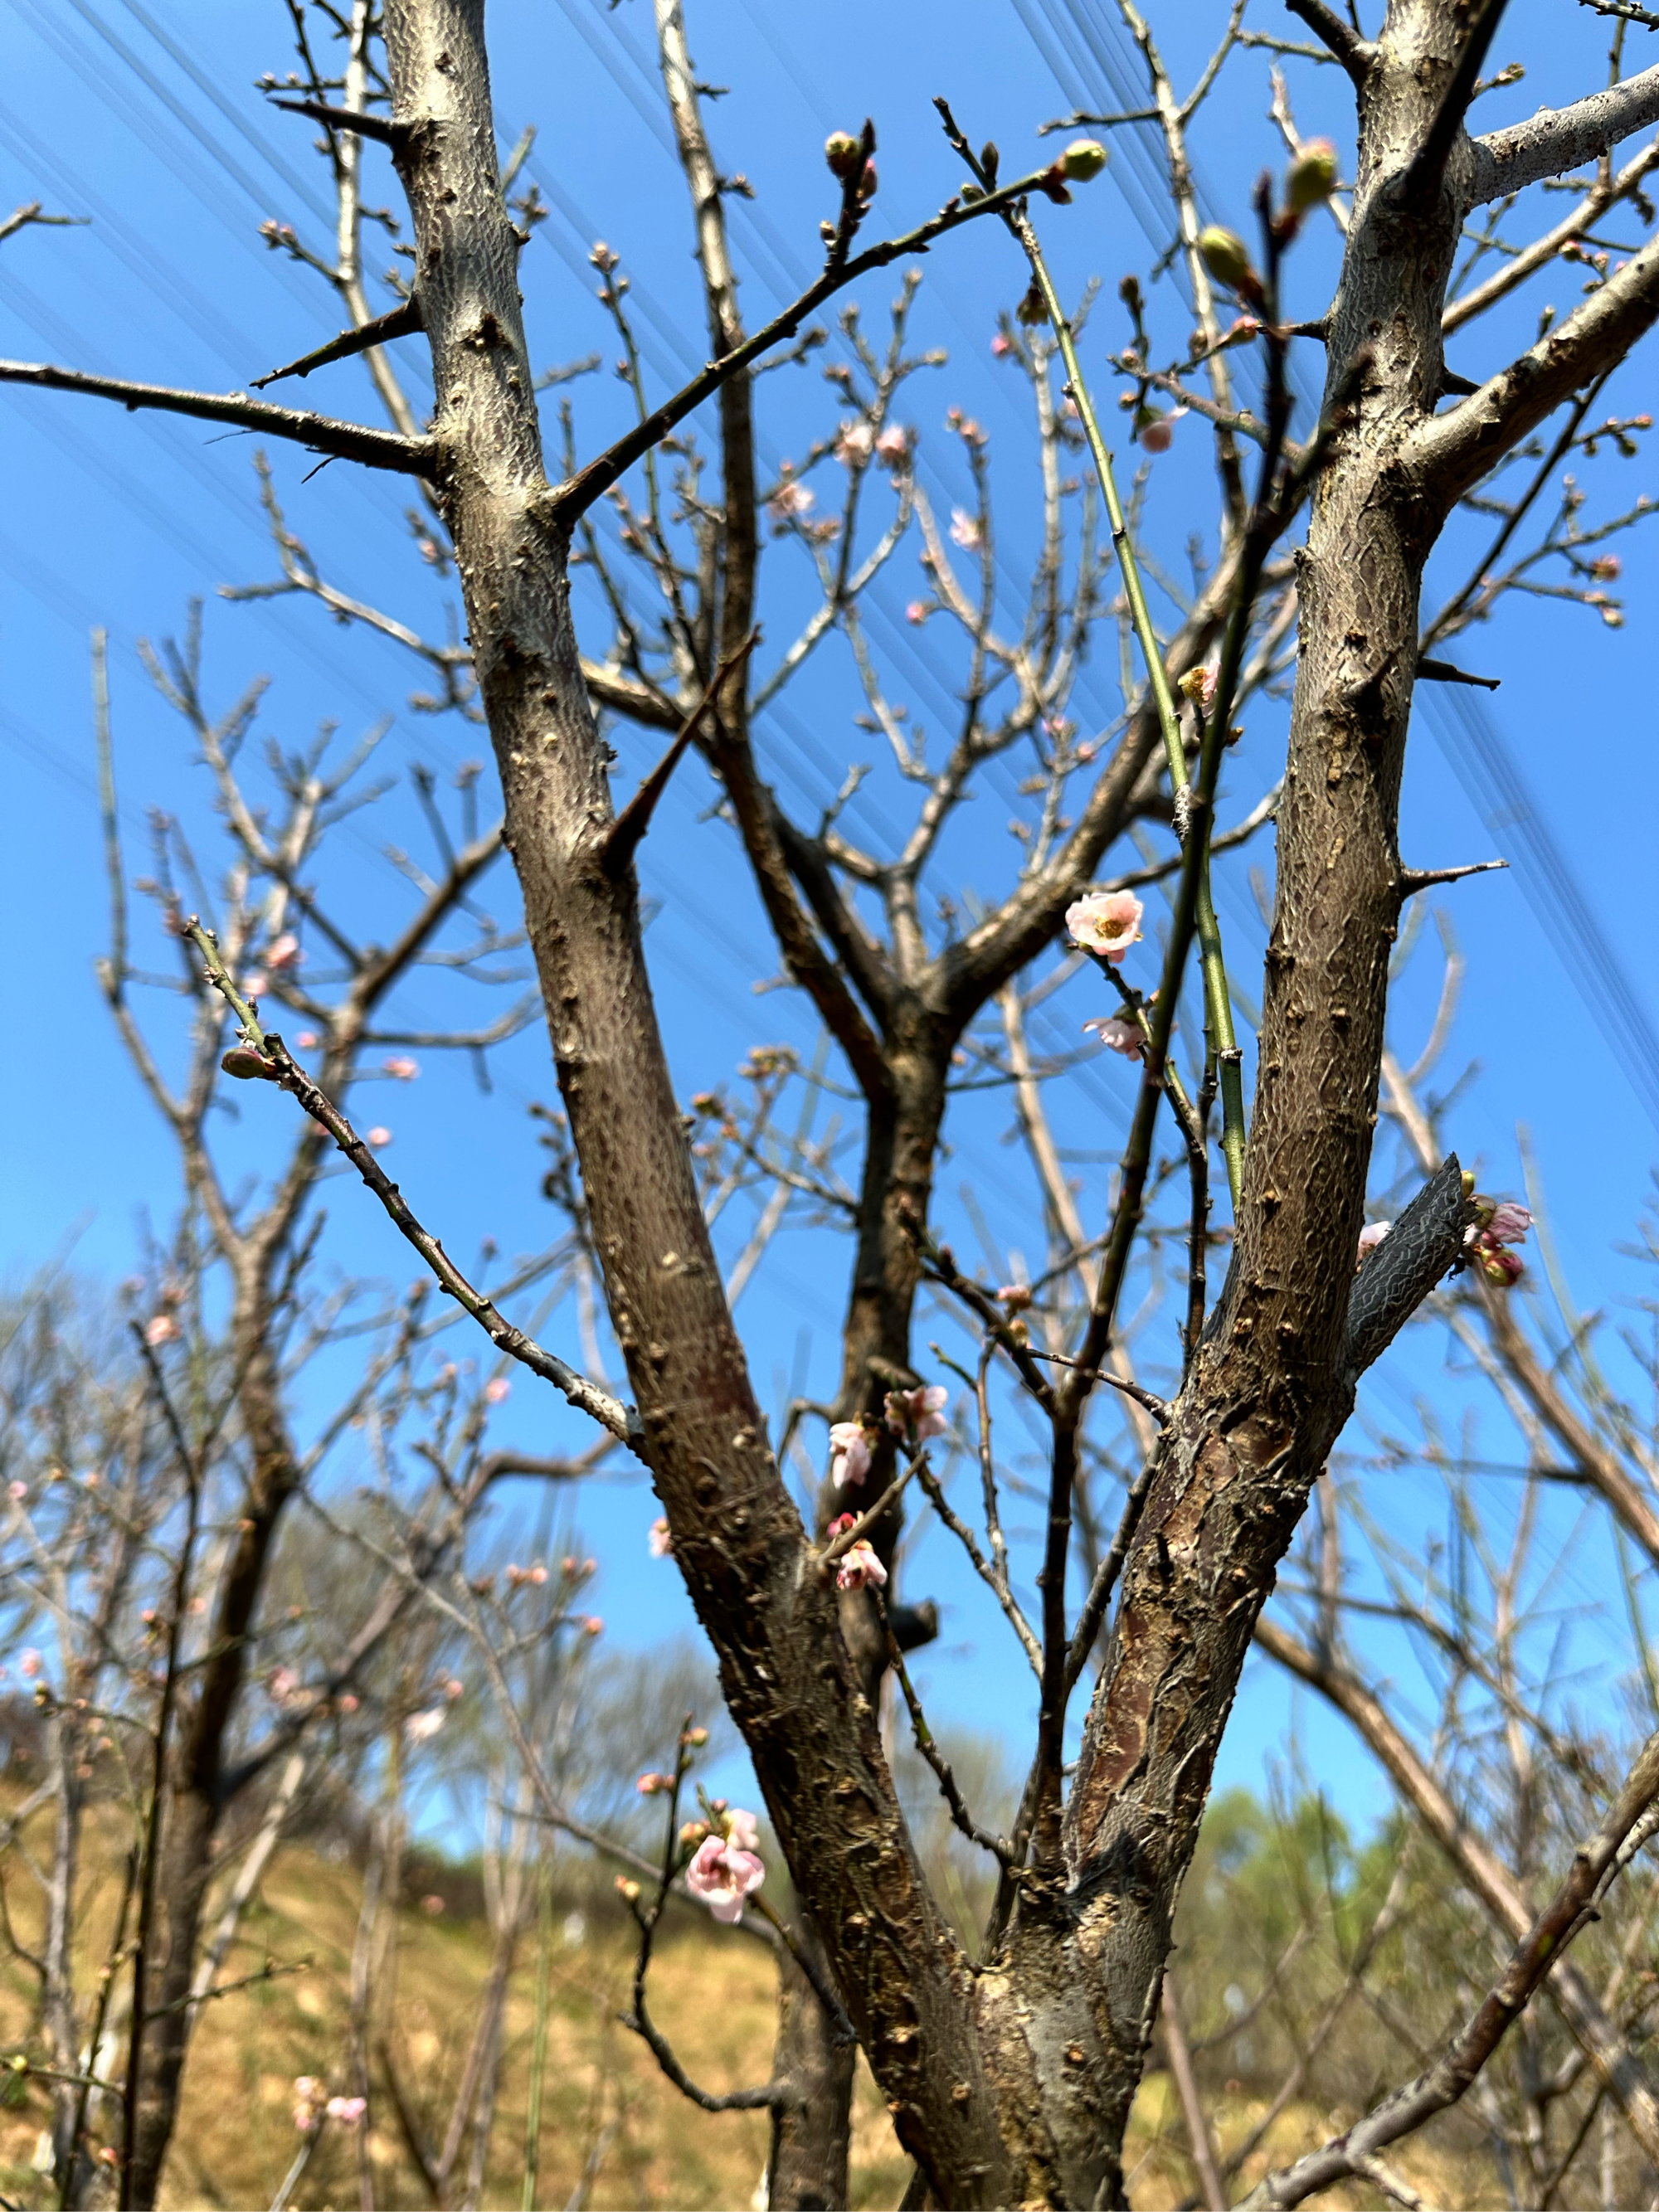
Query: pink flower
x,y
283,1685
349,2109
858,1566
849,1450
854,444
162,1330
1509,1225
1002,345
253,982
1120,1035
30,1663
17,1491
1105,922
659,1542
1017,1296
592,1626
350,1702
742,1830
1372,1235
498,1389
379,1137
893,447
787,502
308,1040
454,1688
722,1876
284,952
966,530
916,611
919,1413
1158,431
400,1067
654,1785
421,1727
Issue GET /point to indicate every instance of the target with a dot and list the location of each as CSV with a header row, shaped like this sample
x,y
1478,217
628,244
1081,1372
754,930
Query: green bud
x,y
248,1066
1225,255
843,154
1312,176
1083,158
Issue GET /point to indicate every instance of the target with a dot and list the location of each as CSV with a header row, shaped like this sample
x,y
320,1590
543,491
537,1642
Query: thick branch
x,y
345,442
1557,139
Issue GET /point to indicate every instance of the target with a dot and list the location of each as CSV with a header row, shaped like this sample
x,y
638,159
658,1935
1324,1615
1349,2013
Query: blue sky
x,y
120,519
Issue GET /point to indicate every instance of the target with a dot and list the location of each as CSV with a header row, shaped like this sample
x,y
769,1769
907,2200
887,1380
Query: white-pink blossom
x,y
30,1663
401,1067
348,2109
916,611
1509,1225
723,1876
742,1830
421,1727
789,502
379,1137
857,1565
1105,922
850,1449
919,1413
893,447
854,444
1372,1235
1118,1035
283,1684
659,1542
1158,431
162,1330
966,530
284,952
1000,345
497,1390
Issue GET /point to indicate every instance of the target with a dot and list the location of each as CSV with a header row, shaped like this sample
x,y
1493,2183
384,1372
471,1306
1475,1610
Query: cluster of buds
x,y
1498,1225
313,2103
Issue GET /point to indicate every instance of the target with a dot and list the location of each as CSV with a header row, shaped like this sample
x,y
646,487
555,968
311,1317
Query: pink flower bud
x,y
498,1389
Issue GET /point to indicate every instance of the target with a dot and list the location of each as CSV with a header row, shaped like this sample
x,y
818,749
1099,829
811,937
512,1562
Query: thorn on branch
x,y
1447,671
1412,880
380,127
402,321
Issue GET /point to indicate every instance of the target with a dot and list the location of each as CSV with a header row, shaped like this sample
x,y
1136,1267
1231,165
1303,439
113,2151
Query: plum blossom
x,y
498,1389
854,444
1501,1265
308,2095
966,530
723,1875
162,1330
659,1542
788,503
421,1727
916,611
1002,345
17,1491
857,1565
893,447
1156,431
918,1413
379,1137
350,2110
1117,1034
1509,1225
284,952
742,1830
1371,1235
30,1663
1105,922
308,1040
850,1449
401,1067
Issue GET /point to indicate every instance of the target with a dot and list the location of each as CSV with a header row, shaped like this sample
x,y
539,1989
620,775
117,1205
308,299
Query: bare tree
x,y
1010,2074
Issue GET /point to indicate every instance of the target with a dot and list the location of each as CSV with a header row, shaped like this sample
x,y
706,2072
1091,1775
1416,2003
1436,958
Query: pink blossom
x,y
1158,431
1372,1235
17,1491
789,501
592,1626
349,1701
723,1876
421,1727
964,426
918,1413
283,1685
30,1663
742,1830
379,1137
893,447
849,1453
497,1390
350,2110
858,1566
1105,922
654,1785
284,952
253,982
854,444
1001,344
1509,1225
162,1330
659,1542
1120,1035
454,1688
966,530
400,1067
308,1040
1017,1296
916,611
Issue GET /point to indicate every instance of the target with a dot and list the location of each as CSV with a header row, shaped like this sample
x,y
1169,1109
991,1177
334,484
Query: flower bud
x,y
248,1066
1312,176
695,1738
627,1890
1083,158
1225,255
867,182
843,154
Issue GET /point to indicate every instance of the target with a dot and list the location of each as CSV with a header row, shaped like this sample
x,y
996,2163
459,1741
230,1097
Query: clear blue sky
x,y
121,519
